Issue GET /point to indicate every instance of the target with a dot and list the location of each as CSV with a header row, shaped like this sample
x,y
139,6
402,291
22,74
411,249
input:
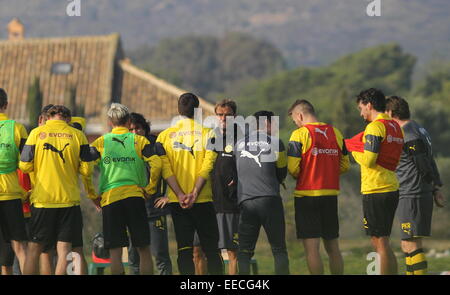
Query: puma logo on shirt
x,y
180,145
122,142
48,146
246,154
323,132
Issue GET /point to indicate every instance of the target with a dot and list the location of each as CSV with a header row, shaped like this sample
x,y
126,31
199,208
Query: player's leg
x,y
159,244
6,256
46,265
115,234
136,220
34,250
62,249
43,225
388,261
379,211
116,261
208,232
272,216
335,257
14,229
415,214
199,258
77,243
184,234
330,233
308,225
313,259
249,226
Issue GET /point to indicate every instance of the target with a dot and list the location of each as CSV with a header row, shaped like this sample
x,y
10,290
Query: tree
x,y
34,103
70,100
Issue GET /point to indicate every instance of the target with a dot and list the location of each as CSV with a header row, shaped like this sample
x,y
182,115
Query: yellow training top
x,y
299,143
186,153
56,153
144,151
10,188
374,178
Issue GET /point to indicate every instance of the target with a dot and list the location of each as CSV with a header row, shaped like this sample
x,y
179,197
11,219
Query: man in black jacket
x,y
159,241
224,182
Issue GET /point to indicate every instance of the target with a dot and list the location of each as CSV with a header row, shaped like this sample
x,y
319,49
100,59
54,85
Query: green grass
x,y
354,254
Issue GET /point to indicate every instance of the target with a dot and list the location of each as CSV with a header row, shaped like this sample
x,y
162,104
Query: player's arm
x,y
87,156
373,135
207,165
281,164
20,136
154,161
26,163
294,155
418,150
344,163
167,172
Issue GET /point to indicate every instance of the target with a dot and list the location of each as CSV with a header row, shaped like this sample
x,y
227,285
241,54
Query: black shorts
x,y
51,225
6,252
12,221
379,212
77,235
317,217
228,230
129,213
414,214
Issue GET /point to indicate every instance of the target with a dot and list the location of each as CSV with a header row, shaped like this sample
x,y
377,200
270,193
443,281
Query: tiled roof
x,y
92,59
156,99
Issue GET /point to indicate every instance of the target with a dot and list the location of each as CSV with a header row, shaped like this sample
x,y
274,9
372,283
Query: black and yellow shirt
x,y
186,154
10,188
145,151
56,153
374,178
299,143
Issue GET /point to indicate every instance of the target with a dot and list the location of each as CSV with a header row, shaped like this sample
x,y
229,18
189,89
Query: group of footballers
x,y
220,186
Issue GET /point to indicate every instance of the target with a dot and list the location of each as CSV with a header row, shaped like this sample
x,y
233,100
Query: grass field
x,y
354,253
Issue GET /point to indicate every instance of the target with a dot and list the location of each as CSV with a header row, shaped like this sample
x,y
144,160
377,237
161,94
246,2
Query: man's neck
x,y
401,122
374,115
310,119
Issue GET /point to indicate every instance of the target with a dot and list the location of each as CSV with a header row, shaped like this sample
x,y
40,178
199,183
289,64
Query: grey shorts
x,y
228,230
414,214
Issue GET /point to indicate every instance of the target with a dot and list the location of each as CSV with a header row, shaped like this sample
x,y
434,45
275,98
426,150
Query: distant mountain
x,y
309,32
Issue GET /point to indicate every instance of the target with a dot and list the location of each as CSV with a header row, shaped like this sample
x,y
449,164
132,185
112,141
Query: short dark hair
x,y
399,107
59,110
226,103
305,105
138,119
45,110
267,114
187,104
3,98
374,96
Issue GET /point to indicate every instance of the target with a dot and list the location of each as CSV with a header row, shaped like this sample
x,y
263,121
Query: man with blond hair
x,y
124,186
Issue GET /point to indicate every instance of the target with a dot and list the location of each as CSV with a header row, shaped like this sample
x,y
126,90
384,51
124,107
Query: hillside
x,y
309,32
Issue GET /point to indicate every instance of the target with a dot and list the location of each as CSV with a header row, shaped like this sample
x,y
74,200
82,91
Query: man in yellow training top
x,y
316,158
378,154
123,186
12,223
188,158
56,153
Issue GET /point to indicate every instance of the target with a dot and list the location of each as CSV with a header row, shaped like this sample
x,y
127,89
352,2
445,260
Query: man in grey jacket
x,y
261,164
419,185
